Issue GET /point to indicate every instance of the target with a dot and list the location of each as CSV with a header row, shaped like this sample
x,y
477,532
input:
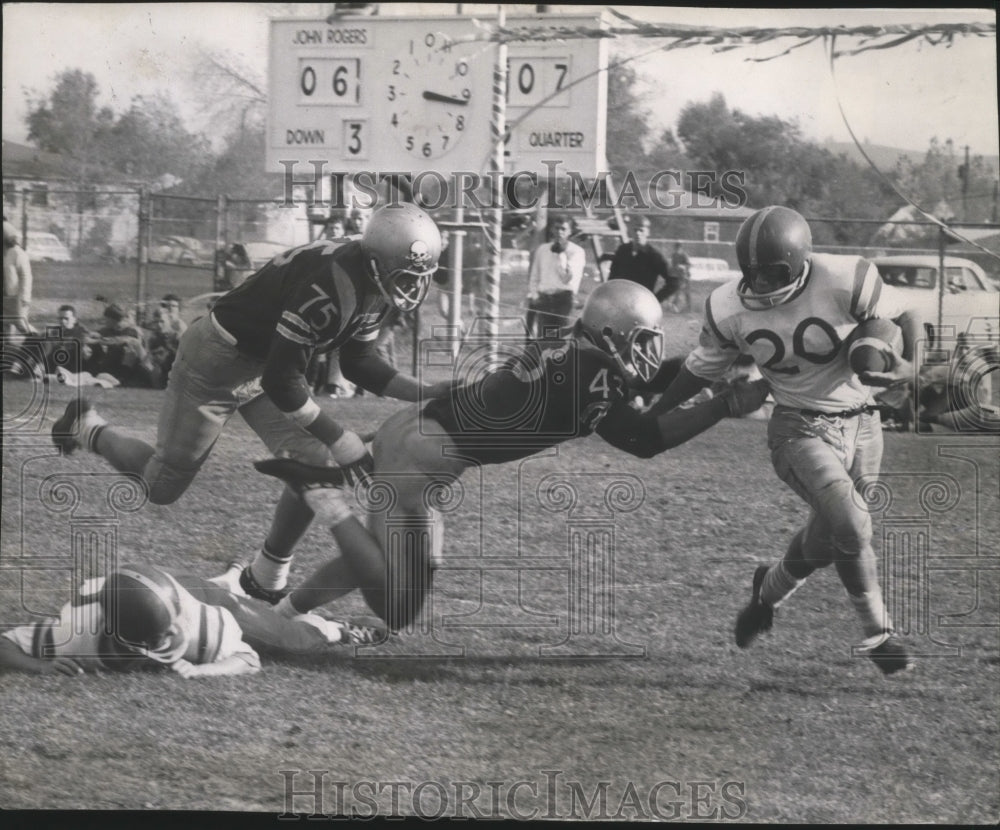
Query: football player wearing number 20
x,y
792,312
250,356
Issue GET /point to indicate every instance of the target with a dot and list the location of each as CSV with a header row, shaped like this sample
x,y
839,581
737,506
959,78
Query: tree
x,y
628,121
229,93
149,141
942,179
70,122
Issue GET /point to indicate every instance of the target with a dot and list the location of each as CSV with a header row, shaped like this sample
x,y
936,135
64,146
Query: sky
x,y
900,97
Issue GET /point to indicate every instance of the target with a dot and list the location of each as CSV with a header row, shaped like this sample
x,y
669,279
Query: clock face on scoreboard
x,y
430,97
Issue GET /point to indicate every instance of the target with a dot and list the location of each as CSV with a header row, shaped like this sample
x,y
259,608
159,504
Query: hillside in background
x,y
885,158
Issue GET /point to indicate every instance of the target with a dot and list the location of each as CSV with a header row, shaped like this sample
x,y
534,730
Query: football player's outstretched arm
x,y
13,659
646,435
685,385
363,366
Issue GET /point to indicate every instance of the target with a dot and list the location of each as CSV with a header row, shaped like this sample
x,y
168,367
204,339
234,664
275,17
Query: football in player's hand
x,y
869,345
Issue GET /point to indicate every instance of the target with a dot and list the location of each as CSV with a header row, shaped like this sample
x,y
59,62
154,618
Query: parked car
x,y
241,259
180,250
46,247
260,253
971,303
711,268
514,261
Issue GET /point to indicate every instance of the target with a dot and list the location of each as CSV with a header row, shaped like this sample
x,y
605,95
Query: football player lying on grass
x,y
141,617
540,398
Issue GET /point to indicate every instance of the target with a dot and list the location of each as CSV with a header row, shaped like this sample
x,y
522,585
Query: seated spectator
x,y
161,344
171,305
120,350
71,329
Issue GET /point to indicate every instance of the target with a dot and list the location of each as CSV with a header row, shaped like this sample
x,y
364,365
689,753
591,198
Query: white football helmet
x,y
402,245
142,607
625,320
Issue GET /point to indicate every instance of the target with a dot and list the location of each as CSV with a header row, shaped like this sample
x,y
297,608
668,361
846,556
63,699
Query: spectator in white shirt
x,y
554,280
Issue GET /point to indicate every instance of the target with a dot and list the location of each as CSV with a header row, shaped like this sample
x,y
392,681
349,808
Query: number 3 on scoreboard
x,y
355,139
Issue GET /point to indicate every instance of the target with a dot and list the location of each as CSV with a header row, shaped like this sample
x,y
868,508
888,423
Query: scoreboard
x,y
405,94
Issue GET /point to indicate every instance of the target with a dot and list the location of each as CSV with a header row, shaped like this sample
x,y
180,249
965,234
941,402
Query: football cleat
x,y
252,588
66,429
888,653
758,616
363,631
300,476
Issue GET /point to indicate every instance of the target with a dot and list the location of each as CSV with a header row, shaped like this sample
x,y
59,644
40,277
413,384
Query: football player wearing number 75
x,y
792,312
250,356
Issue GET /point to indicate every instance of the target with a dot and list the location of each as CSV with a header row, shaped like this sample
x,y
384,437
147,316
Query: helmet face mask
x,y
401,246
773,247
624,320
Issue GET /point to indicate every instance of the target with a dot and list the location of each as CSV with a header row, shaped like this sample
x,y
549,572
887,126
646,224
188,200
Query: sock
x,y
270,570
778,585
91,427
874,615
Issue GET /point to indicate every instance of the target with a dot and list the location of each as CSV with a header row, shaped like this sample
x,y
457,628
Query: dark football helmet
x,y
402,246
142,606
624,320
772,247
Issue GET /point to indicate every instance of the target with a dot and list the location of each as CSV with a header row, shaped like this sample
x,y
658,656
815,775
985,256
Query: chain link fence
x,y
92,246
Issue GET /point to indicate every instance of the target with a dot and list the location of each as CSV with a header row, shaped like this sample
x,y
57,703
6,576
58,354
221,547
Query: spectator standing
x,y
17,281
640,262
681,266
554,279
335,228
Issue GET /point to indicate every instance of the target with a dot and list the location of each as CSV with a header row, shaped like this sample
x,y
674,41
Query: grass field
x,y
533,687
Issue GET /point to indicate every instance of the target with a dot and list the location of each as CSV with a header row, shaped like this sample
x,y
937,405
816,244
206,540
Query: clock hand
x,y
445,99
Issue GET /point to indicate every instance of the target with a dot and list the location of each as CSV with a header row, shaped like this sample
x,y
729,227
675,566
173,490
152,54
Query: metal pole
x,y
25,196
942,241
221,239
494,229
455,286
142,254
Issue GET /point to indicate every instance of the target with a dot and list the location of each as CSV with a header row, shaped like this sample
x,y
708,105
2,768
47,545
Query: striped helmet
x,y
772,247
142,607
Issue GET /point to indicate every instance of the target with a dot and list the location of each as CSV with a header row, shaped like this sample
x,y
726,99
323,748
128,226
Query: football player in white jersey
x,y
792,311
142,617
